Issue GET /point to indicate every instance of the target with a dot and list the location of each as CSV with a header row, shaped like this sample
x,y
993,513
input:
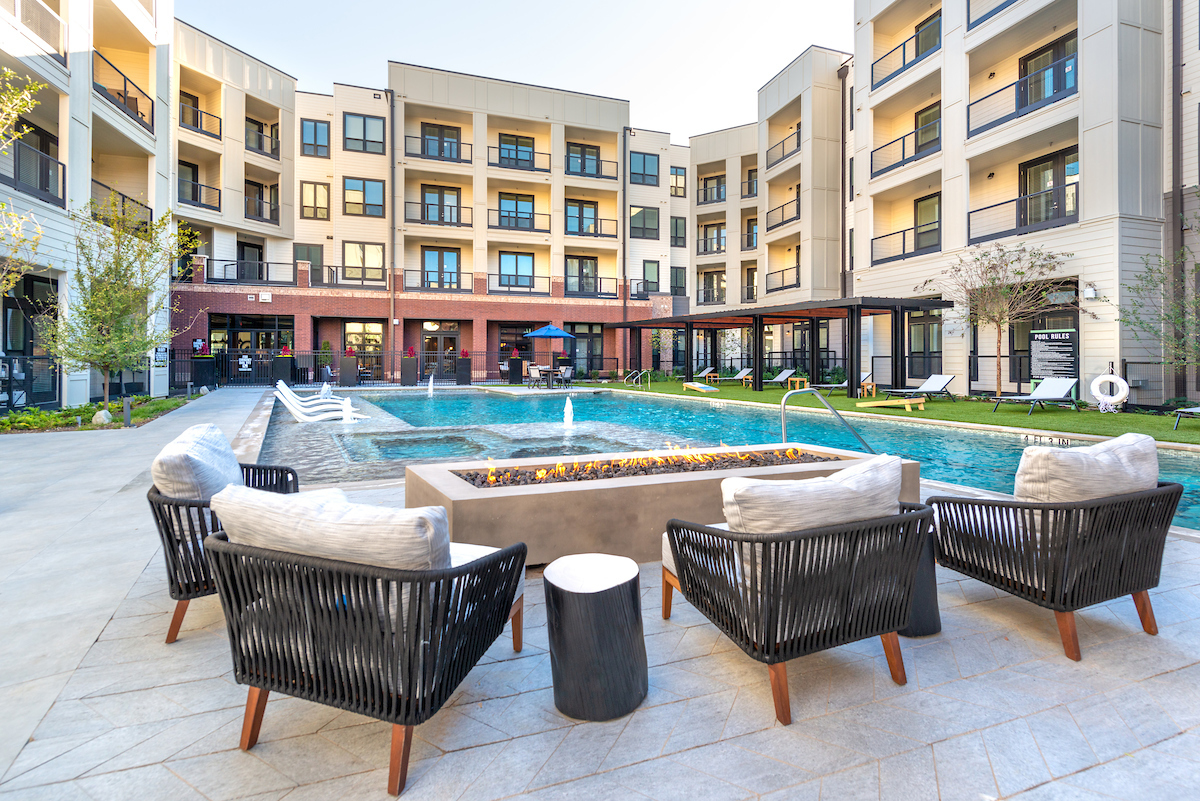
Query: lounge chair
x,y
745,371
700,376
1051,390
932,386
844,385
780,380
310,402
1191,411
345,413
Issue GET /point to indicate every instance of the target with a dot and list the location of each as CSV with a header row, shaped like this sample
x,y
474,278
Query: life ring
x,y
1121,394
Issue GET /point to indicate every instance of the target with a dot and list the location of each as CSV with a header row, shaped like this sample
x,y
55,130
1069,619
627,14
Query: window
x,y
189,110
315,256
851,169
363,134
362,197
582,218
362,261
712,238
189,183
679,281
643,222
440,141
751,234
929,132
1047,72
582,275
679,232
314,201
643,169
751,187
583,159
516,151
650,276
314,138
262,137
851,246
588,345
678,182
516,211
929,34
439,268
928,214
265,332
516,270
712,189
925,343
1048,188
262,202
363,336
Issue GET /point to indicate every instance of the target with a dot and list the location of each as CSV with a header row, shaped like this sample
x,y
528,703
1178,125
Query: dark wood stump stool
x,y
594,619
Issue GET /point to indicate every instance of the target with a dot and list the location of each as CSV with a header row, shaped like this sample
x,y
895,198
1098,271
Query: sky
x,y
687,67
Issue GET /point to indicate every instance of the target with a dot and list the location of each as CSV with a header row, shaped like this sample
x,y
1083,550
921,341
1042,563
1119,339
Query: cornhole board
x,y
701,388
907,403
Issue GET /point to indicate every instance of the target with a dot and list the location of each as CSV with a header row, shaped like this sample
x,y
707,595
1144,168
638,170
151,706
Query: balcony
x,y
1026,214
437,149
438,281
980,11
924,141
750,241
710,194
122,92
749,293
130,209
1048,85
905,244
708,246
32,172
591,168
43,23
508,284
640,289
263,273
590,286
597,227
262,143
710,296
910,52
782,149
515,159
333,276
787,278
528,221
196,194
750,188
194,119
783,214
437,214
263,210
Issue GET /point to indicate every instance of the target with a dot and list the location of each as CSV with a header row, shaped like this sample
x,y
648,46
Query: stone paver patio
x,y
992,708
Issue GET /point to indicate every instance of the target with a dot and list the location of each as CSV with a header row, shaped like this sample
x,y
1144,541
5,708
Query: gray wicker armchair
x,y
782,596
389,644
1062,556
183,527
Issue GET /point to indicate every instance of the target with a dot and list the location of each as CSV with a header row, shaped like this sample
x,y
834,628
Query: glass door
x,y
440,268
1048,188
582,274
250,261
929,35
440,141
516,211
1047,72
440,204
583,159
928,131
516,151
581,217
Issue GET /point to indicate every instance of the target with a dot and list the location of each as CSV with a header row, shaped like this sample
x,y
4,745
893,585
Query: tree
x,y
120,299
998,286
20,234
1158,307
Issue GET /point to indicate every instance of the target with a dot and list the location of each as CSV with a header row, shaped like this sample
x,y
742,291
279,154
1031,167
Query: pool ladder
x,y
636,378
825,403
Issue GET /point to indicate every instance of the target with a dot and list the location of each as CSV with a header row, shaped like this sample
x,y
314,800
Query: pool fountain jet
x,y
568,416
431,385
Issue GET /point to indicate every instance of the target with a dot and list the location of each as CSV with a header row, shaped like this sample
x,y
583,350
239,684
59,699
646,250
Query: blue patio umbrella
x,y
549,332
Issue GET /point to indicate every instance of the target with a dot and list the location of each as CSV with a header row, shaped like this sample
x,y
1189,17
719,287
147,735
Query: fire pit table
x,y
594,621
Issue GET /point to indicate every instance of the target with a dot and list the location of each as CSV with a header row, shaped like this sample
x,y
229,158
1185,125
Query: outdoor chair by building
x,y
1051,390
930,388
1057,545
187,473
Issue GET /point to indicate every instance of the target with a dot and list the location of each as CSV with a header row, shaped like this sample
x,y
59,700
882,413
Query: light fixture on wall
x,y
991,75
1090,293
991,175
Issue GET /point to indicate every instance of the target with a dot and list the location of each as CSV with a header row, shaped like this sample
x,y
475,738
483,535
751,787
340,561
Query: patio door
x,y
440,141
928,214
1044,75
924,344
928,133
440,204
440,349
1047,186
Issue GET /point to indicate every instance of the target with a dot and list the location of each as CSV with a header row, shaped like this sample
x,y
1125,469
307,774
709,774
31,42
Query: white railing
x,y
43,23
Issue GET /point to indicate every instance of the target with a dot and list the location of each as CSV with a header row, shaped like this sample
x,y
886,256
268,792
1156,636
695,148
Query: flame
x,y
541,474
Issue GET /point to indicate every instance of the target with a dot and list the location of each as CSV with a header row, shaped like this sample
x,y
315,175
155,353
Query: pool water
x,y
974,458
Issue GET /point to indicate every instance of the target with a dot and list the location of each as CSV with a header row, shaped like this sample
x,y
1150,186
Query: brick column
x,y
199,268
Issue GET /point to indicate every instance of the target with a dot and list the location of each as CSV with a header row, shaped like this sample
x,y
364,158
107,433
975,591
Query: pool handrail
x,y
637,376
825,403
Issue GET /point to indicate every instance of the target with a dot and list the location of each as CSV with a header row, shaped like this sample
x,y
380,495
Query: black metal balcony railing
x,y
1047,209
1048,85
787,278
331,276
980,11
749,293
437,214
640,289
750,241
591,286
122,92
710,295
198,120
257,142
428,147
137,214
43,23
709,245
235,271
596,227
515,159
783,148
710,194
32,172
519,221
261,209
750,188
197,194
591,168
438,281
925,141
905,244
507,283
783,214
913,50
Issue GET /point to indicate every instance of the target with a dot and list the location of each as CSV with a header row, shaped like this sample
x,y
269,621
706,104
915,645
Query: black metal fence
x,y
28,381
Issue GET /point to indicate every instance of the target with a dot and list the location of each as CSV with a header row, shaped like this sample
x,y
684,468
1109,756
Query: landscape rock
x,y
102,418
203,390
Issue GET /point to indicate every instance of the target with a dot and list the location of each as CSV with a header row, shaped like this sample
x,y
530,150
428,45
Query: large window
x,y
679,232
581,217
516,151
516,270
643,222
362,261
314,138
516,211
441,204
364,337
314,201
262,332
440,141
678,182
362,197
583,159
363,134
440,268
643,169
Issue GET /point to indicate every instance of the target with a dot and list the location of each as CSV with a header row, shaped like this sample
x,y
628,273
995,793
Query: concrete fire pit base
x,y
624,516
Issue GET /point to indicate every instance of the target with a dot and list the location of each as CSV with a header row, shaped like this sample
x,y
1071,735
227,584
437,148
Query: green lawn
x,y
973,411
144,410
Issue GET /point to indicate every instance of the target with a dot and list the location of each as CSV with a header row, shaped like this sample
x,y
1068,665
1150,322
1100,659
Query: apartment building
x,y
100,129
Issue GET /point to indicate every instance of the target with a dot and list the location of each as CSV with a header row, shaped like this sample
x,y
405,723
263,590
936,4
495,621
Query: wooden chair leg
x,y
1070,637
1146,612
669,581
256,704
895,660
176,620
517,616
398,767
779,690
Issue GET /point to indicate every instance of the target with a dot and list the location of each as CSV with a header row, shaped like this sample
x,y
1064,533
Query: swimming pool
x,y
962,456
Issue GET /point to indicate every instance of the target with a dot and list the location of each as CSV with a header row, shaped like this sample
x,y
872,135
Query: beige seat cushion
x,y
1128,463
196,465
463,552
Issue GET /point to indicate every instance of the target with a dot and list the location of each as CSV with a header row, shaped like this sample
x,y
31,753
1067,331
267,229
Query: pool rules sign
x,y
1054,354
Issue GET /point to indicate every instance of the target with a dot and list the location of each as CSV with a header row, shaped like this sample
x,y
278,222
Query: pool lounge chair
x,y
933,386
1051,390
844,385
1191,411
780,380
745,371
310,402
700,376
345,413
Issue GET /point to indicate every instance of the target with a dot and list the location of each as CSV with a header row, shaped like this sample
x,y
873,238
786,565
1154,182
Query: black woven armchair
x,y
782,596
183,526
1063,556
389,644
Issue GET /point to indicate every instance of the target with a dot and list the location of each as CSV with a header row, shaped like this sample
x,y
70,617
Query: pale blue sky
x,y
671,60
